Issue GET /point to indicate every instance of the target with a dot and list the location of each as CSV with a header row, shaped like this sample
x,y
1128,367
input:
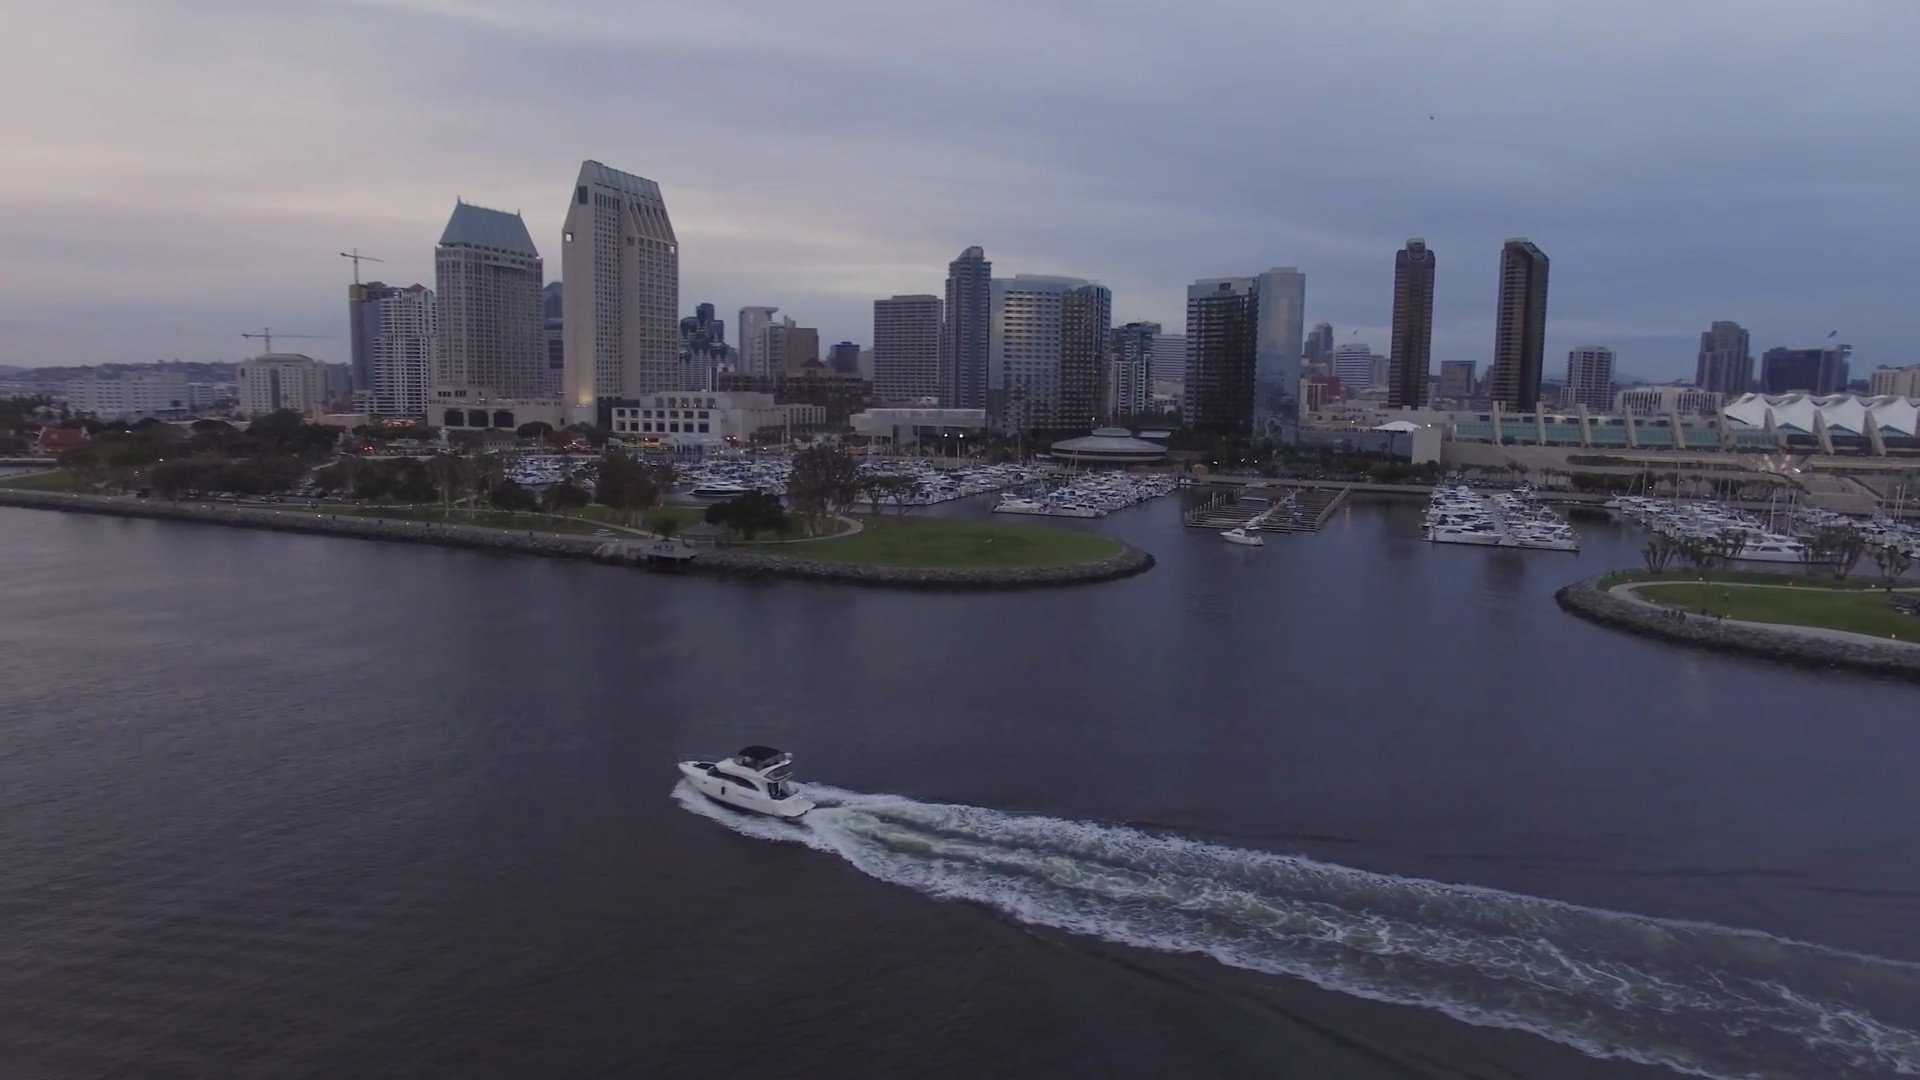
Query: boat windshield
x,y
778,790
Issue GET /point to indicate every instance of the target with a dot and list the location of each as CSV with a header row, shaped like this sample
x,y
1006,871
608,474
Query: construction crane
x,y
268,335
357,260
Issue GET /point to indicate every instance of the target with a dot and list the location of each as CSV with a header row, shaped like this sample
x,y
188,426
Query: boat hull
x,y
732,793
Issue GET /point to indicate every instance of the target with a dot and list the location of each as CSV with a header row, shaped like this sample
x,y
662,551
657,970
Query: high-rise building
x,y
275,381
1317,354
1223,322
703,349
1726,360
1456,379
1590,378
1353,366
129,394
752,329
966,334
906,349
395,332
1169,357
621,265
798,346
1282,304
552,309
1520,331
1812,371
844,358
1413,271
1897,381
1045,341
1130,374
489,293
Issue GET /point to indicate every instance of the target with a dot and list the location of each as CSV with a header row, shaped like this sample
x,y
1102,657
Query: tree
x,y
1702,553
879,487
1892,561
1848,545
667,526
1731,543
1659,552
511,497
825,480
564,497
626,484
749,515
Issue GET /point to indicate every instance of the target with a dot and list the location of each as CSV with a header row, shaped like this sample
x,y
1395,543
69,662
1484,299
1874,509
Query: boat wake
x,y
1694,997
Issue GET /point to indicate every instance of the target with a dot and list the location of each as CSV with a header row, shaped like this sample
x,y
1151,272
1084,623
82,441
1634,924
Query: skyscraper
x,y
621,267
1590,378
552,306
1169,357
489,279
965,337
1520,331
1130,360
1223,321
394,336
1813,371
703,349
1413,269
1317,354
1726,360
1276,405
752,329
798,346
844,358
1456,379
906,348
1353,366
1044,346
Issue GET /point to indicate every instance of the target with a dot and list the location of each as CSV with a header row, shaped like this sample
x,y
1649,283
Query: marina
x,y
1270,509
1088,495
1458,514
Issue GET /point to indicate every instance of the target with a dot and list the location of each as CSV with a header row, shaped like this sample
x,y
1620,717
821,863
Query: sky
x,y
174,172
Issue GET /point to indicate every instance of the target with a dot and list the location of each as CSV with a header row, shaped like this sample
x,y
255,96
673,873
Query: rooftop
x,y
477,226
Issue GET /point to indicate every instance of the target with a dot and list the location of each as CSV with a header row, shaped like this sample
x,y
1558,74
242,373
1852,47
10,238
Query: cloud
x,y
1679,163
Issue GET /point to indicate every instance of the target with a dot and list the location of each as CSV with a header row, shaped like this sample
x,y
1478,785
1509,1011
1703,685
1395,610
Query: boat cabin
x,y
761,768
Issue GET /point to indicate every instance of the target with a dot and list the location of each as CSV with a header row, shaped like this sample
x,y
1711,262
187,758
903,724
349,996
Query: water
x,y
1349,805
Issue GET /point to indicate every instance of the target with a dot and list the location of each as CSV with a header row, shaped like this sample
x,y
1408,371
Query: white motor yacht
x,y
757,779
1240,535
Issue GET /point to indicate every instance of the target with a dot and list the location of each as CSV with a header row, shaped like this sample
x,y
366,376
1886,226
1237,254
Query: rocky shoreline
x,y
1587,600
1128,561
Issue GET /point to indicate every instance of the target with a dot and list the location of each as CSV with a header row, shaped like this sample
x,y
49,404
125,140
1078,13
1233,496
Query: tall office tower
x,y
1317,354
906,349
1413,268
1169,357
1086,321
556,334
1039,354
1130,373
1223,322
1726,360
394,335
1276,404
1353,366
703,349
965,335
1590,378
1812,371
1456,379
798,346
844,358
1520,331
752,329
489,277
621,267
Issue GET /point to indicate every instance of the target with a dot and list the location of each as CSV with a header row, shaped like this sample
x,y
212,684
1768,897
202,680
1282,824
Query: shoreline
x,y
1588,601
1128,561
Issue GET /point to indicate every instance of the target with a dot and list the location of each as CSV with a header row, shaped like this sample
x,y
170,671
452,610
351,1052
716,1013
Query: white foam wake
x,y
1695,997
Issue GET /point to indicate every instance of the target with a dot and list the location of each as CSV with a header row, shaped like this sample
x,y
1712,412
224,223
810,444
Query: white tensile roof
x,y
1843,414
1398,425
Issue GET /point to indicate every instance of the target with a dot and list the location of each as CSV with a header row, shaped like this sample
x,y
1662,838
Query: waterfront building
x,y
902,427
275,381
1900,381
489,301
1811,371
1282,306
1223,317
1129,378
1046,338
553,307
709,421
129,394
1589,378
620,263
1353,366
752,328
1668,399
395,332
906,349
1169,356
1725,363
967,330
1520,331
1412,346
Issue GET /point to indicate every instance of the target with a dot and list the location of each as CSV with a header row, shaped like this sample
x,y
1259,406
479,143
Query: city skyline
x,y
188,261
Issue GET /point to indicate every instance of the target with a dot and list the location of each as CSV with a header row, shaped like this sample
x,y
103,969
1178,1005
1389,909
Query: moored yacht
x,y
1240,535
757,779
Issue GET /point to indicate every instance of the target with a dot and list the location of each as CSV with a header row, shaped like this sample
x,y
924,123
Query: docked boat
x,y
720,491
1240,535
758,780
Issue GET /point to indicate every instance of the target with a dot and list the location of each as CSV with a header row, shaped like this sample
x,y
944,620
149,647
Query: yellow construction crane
x,y
268,335
357,260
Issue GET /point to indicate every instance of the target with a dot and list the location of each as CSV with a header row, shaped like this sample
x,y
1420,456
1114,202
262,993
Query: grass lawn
x,y
56,480
682,515
1862,611
1865,577
945,542
497,519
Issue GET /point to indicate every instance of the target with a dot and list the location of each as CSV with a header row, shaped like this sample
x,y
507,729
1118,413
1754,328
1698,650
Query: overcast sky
x,y
177,171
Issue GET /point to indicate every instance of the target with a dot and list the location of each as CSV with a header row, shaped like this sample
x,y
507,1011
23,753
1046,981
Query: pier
x,y
1280,509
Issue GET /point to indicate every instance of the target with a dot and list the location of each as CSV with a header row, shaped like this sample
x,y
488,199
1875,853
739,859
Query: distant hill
x,y
194,370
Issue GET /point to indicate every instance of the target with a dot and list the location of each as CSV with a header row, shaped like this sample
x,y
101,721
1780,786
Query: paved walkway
x,y
1631,591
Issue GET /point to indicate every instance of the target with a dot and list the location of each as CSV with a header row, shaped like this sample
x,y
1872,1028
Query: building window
x,y
703,429
703,415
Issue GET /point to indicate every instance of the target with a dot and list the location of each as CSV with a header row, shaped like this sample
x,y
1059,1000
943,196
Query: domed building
x,y
1109,446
